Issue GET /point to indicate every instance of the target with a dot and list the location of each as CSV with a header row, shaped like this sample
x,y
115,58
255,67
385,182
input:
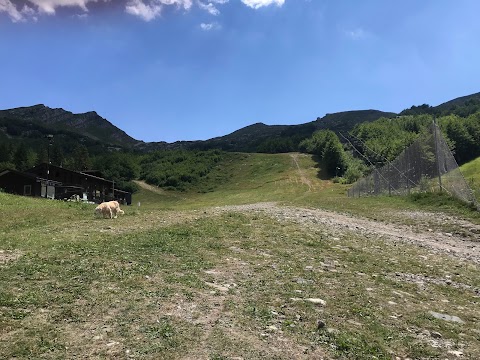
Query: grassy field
x,y
189,276
471,172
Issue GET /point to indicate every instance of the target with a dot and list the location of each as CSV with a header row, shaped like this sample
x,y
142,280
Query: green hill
x,y
471,173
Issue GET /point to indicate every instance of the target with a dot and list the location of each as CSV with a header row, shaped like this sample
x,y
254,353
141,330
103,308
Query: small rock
x,y
436,335
272,328
457,353
446,317
317,301
320,324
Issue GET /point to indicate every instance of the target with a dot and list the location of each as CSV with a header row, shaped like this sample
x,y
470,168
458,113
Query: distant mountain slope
x,y
257,137
245,139
460,101
254,138
461,106
346,120
88,124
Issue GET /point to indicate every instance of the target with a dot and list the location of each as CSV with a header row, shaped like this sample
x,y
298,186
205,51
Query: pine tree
x,y
81,158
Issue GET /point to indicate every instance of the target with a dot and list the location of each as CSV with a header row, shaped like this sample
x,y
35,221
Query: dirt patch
x,y
9,255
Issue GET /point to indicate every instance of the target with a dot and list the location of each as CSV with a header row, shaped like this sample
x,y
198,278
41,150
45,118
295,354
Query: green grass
x,y
471,173
179,278
251,178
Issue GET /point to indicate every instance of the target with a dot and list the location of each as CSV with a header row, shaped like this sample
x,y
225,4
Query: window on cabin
x,y
27,190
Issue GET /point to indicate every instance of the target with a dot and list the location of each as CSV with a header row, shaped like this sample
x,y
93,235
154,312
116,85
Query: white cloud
x,y
145,9
7,7
49,6
209,26
16,15
152,9
256,4
210,8
40,7
146,12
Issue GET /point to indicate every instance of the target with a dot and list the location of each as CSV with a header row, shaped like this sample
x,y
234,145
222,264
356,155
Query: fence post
x,y
389,181
407,170
436,152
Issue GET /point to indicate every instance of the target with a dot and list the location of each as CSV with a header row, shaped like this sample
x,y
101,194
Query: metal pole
x,y
50,139
436,152
389,184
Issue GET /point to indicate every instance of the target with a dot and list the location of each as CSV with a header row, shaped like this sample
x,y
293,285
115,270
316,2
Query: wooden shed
x,y
23,183
88,186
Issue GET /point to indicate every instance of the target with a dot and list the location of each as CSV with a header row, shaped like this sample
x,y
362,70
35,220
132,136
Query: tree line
x,y
384,139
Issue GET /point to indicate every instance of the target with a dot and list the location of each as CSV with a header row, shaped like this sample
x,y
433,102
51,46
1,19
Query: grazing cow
x,y
109,209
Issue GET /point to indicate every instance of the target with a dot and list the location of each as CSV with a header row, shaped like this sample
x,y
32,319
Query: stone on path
x,y
446,317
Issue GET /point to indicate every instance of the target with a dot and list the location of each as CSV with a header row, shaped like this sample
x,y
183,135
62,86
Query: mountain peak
x,y
88,124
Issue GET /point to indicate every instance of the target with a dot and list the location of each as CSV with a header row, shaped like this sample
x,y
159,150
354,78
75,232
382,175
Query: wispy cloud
x,y
210,8
146,10
149,10
142,10
357,34
209,26
49,6
37,7
256,4
16,15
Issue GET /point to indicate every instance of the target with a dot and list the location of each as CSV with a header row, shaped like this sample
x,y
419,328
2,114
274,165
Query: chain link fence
x,y
426,165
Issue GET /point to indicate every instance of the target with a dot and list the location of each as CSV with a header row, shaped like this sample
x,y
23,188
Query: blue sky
x,y
168,70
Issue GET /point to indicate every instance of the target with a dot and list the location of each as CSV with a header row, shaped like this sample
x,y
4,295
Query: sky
x,y
169,70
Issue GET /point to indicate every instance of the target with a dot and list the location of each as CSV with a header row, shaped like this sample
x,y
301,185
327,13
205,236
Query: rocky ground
x,y
463,242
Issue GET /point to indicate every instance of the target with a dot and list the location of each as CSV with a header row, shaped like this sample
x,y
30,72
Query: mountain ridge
x,y
88,124
249,138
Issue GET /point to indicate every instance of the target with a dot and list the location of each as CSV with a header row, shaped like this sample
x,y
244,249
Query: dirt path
x,y
465,246
303,178
149,187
